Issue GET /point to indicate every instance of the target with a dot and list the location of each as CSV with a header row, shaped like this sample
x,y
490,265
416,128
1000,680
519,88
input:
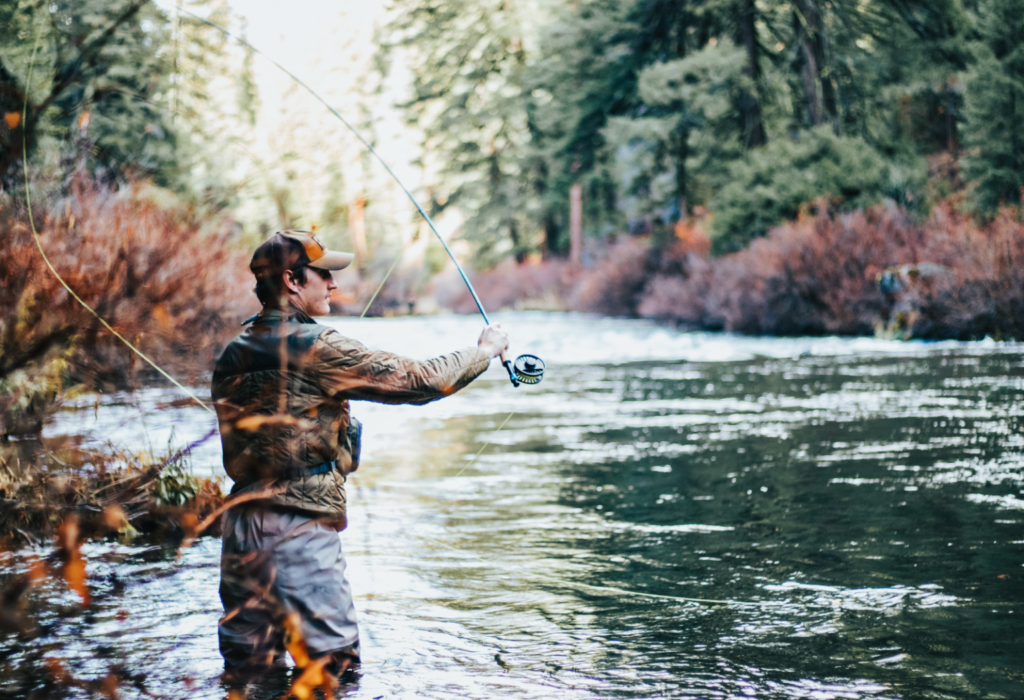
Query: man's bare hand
x,y
493,341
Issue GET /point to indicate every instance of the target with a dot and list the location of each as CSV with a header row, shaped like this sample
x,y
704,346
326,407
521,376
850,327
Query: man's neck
x,y
289,311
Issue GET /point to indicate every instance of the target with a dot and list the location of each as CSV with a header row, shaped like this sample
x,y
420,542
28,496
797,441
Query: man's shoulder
x,y
332,339
257,345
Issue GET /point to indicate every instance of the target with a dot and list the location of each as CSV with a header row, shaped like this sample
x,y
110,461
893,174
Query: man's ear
x,y
290,283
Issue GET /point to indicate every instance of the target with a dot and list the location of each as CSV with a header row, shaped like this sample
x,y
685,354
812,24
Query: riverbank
x,y
877,272
108,492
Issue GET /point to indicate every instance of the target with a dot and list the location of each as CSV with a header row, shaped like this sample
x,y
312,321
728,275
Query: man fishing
x,y
282,390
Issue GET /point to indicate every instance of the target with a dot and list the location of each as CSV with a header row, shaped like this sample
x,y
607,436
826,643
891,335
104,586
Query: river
x,y
667,515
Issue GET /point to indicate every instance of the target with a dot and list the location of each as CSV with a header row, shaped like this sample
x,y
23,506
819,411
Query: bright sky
x,y
329,45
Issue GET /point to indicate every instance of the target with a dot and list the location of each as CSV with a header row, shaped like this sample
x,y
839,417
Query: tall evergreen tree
x,y
98,76
994,129
468,59
655,106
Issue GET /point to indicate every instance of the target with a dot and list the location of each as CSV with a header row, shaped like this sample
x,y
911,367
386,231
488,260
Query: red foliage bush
x,y
615,284
820,275
508,286
612,286
166,280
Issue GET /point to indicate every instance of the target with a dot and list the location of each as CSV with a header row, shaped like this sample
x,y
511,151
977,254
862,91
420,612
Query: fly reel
x,y
529,369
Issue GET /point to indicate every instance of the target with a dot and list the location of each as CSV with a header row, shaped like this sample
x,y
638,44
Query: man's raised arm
x,y
347,369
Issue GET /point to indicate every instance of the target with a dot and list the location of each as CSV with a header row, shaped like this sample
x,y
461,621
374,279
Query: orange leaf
x,y
296,644
37,571
108,686
74,566
161,316
256,422
310,679
74,574
114,517
12,119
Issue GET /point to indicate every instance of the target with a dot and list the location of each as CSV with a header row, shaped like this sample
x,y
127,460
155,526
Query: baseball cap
x,y
290,250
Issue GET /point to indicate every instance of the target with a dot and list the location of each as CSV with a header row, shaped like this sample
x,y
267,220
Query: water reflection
x,y
860,510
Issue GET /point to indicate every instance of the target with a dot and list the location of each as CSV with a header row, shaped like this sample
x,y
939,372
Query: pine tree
x,y
994,129
680,148
468,59
98,78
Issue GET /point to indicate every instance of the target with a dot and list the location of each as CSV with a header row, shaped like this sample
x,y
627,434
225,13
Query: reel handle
x,y
511,372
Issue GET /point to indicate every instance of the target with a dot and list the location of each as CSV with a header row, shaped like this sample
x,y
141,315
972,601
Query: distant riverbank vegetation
x,y
855,273
846,167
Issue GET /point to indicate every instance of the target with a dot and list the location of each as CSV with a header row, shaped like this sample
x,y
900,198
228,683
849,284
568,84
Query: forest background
x,y
760,166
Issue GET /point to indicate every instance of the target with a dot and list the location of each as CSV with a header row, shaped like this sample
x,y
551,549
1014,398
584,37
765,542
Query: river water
x,y
849,513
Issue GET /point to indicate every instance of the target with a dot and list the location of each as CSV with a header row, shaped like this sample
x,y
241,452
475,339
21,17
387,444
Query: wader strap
x,y
298,472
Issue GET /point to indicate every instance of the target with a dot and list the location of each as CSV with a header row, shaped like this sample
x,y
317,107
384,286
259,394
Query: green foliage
x,y
995,107
771,184
247,95
685,151
175,486
99,79
581,73
658,106
122,92
468,58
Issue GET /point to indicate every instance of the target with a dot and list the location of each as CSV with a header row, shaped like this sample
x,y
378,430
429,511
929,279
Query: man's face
x,y
314,297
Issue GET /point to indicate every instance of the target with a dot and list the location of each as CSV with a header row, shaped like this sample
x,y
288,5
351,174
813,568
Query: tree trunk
x,y
576,224
517,248
682,146
749,104
681,152
813,68
804,25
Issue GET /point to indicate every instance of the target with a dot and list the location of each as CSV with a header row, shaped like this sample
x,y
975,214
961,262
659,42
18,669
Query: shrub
x,y
165,279
612,286
821,275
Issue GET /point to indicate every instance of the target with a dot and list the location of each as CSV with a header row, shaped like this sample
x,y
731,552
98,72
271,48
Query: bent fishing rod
x,y
527,369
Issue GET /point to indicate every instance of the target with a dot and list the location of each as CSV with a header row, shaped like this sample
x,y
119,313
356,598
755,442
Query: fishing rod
x,y
527,369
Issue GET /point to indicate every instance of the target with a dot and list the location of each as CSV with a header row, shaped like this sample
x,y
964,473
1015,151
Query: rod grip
x,y
511,372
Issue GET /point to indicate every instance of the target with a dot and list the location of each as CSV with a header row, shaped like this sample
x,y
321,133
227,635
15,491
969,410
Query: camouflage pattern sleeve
x,y
347,369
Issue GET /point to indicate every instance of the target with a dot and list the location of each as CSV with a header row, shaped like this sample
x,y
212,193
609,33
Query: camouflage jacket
x,y
282,390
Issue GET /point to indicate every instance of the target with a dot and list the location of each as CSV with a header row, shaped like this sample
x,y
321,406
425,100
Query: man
x,y
282,390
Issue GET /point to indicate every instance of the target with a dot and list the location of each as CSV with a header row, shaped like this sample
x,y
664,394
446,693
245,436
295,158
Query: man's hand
x,y
493,341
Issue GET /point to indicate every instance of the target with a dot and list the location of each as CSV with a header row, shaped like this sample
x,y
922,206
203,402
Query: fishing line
x,y
430,223
379,287
484,447
513,377
39,244
426,217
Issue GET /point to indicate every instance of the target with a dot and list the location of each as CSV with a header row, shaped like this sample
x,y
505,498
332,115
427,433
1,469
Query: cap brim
x,y
332,260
